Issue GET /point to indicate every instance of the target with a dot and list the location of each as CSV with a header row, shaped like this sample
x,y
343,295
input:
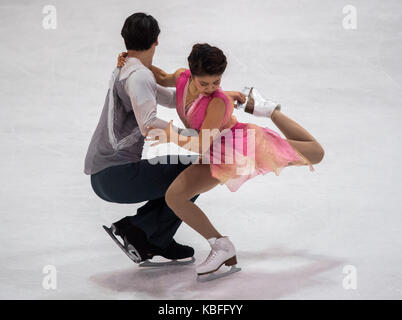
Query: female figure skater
x,y
202,105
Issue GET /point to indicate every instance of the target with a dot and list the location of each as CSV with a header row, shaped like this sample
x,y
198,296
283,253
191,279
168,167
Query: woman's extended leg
x,y
298,137
195,179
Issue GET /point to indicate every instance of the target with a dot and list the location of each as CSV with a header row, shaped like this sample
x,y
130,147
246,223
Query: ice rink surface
x,y
298,235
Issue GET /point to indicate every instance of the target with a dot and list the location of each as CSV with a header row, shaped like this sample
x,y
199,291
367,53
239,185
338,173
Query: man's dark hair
x,y
140,31
205,59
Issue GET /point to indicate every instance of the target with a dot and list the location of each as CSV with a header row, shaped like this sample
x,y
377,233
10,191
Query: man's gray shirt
x,y
130,107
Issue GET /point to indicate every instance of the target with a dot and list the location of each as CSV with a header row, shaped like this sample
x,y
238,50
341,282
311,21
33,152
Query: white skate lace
x,y
211,256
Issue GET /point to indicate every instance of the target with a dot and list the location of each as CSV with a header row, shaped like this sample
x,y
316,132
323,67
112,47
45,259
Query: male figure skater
x,y
114,155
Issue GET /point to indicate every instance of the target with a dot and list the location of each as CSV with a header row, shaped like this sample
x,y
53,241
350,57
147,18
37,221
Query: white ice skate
x,y
223,252
256,104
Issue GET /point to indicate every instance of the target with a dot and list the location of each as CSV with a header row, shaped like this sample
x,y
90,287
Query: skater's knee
x,y
318,154
173,198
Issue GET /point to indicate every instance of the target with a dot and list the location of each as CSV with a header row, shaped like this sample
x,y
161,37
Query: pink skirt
x,y
247,150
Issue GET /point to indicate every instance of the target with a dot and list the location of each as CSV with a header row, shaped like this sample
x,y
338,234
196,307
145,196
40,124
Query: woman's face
x,y
206,85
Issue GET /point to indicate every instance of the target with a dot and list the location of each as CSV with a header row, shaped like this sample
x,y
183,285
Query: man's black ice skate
x,y
178,254
175,251
135,244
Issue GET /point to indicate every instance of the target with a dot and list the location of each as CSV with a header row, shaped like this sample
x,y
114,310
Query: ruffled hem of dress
x,y
282,152
234,181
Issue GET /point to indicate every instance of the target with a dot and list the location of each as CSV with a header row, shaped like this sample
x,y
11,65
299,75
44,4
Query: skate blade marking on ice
x,y
148,263
213,275
130,251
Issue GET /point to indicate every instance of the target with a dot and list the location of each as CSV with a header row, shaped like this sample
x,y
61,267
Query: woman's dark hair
x,y
206,60
140,31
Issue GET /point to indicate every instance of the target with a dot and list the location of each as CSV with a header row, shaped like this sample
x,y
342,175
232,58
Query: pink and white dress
x,y
243,150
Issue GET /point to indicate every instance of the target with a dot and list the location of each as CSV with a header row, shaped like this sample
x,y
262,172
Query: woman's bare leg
x,y
195,179
298,137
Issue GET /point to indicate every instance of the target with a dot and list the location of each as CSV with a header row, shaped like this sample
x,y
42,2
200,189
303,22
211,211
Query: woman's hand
x,y
121,59
162,135
236,96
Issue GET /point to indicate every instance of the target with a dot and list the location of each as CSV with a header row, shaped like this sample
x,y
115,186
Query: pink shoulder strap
x,y
180,87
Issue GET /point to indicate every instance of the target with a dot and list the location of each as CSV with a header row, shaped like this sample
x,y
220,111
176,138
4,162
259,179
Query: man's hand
x,y
162,136
236,96
121,59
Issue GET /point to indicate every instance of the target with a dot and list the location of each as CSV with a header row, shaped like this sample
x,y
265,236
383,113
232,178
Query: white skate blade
x,y
130,251
214,275
151,264
261,106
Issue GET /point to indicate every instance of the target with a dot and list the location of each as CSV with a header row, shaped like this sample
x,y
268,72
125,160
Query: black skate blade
x,y
121,246
152,264
214,275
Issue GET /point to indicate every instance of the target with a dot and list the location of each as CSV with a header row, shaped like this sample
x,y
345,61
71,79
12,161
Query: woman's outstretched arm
x,y
166,79
169,79
162,78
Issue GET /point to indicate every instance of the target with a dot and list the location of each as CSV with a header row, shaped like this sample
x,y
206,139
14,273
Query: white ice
x,y
295,234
